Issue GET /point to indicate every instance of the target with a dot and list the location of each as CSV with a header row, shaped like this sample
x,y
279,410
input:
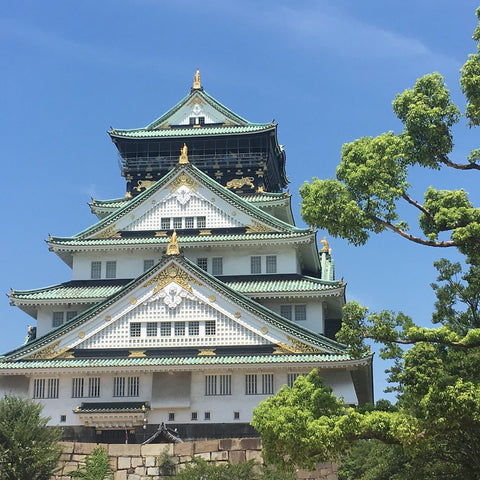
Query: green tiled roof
x,y
205,130
105,407
255,308
176,361
266,197
182,239
112,203
305,284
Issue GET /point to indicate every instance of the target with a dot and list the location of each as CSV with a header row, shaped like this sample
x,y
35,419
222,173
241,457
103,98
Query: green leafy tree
x,y
28,448
96,466
436,371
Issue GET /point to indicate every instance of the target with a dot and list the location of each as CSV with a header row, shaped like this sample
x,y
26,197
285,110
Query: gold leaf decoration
x,y
207,352
301,347
181,180
173,273
137,354
258,227
146,184
110,232
47,352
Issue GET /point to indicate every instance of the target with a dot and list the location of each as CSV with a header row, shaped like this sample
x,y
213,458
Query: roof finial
x,y
172,248
183,158
196,80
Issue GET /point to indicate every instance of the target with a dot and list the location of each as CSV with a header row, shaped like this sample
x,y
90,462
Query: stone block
x,y
255,455
219,456
124,463
67,447
120,475
181,449
78,458
237,456
136,461
251,444
229,444
134,476
184,459
153,471
69,467
140,470
205,446
150,461
83,448
156,449
124,450
206,456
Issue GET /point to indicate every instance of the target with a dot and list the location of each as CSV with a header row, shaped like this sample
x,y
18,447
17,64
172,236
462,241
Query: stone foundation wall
x,y
146,462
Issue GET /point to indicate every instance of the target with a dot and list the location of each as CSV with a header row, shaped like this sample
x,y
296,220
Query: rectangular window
x,y
171,417
210,327
179,329
118,386
165,223
191,120
189,222
201,120
210,385
250,384
177,222
286,311
166,329
201,222
135,329
267,383
111,269
147,264
291,377
71,314
225,385
52,387
236,415
94,387
300,312
202,263
57,319
207,416
77,387
96,270
194,416
39,388
256,264
152,329
217,266
271,263
194,328
133,386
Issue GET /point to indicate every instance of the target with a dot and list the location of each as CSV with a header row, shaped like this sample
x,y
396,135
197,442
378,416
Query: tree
x,y
96,466
28,448
436,371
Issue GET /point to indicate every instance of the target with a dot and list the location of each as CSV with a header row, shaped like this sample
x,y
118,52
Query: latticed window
x,y
202,263
39,388
207,416
210,327
152,329
217,266
201,222
194,328
77,387
250,384
111,269
267,383
225,385
94,387
133,384
291,377
165,223
177,222
52,388
171,416
57,319
135,329
286,311
256,264
166,329
210,385
271,263
189,222
194,416
71,314
180,329
300,312
119,386
147,264
96,270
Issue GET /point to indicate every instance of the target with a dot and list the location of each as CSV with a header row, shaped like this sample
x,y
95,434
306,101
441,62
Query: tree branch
x,y
417,205
412,238
425,340
459,166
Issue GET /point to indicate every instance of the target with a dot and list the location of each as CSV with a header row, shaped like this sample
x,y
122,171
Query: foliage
x,y
96,466
201,469
166,464
436,371
28,448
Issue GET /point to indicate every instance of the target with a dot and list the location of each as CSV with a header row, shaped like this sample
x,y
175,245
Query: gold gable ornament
x,y
183,158
172,248
196,80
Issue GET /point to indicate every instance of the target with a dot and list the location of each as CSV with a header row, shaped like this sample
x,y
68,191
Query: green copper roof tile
x,y
175,361
306,284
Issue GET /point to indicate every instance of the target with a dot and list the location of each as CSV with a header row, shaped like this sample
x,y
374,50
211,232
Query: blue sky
x,y
326,71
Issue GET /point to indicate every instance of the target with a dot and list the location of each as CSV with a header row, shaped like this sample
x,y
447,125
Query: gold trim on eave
x,y
172,273
172,248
